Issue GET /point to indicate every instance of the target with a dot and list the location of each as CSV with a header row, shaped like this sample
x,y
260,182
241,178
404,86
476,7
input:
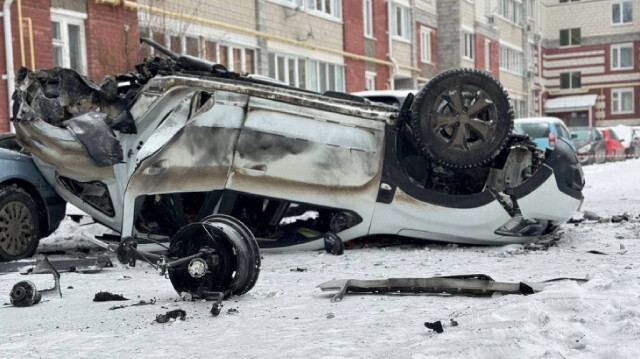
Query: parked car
x,y
29,207
545,131
591,144
629,138
615,149
149,152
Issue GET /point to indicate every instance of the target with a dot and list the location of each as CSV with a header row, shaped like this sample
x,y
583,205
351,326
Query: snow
x,y
285,315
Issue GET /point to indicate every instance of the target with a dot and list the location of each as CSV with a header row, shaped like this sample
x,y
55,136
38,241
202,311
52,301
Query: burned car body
x,y
179,139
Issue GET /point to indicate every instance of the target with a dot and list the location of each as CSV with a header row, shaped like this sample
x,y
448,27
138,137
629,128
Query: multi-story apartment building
x,y
591,61
578,60
497,36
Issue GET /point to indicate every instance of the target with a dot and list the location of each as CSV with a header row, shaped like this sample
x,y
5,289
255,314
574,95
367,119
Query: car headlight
x,y
584,149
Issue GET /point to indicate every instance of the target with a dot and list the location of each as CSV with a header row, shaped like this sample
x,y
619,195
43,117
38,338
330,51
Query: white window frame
x,y
369,81
487,55
335,13
618,48
65,18
405,22
338,86
511,11
425,45
617,110
571,84
296,60
367,9
511,59
468,48
621,3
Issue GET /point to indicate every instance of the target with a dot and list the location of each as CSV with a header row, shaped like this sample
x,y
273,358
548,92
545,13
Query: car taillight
x,y
552,140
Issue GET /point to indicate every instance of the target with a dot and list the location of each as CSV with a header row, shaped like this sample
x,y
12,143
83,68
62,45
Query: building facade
x,y
578,60
591,62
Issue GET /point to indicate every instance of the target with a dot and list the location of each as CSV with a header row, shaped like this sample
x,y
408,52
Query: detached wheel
x,y
462,118
19,224
236,267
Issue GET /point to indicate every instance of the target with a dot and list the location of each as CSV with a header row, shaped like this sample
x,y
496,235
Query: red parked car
x,y
615,149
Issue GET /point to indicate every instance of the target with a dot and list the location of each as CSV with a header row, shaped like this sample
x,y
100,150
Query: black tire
x,y
466,99
19,224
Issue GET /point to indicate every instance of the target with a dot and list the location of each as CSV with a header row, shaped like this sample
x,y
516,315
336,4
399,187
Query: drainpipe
x,y
8,52
541,36
394,69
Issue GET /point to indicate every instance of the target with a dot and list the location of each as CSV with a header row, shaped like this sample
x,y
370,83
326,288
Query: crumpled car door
x,y
192,151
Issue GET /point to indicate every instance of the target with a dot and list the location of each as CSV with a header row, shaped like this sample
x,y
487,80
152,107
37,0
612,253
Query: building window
x,y
622,12
487,55
511,60
570,37
325,77
425,44
622,101
570,80
622,57
368,18
519,108
400,22
468,46
289,69
68,39
511,10
369,81
564,1
332,8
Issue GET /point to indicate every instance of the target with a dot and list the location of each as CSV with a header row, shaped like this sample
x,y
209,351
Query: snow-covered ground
x,y
285,315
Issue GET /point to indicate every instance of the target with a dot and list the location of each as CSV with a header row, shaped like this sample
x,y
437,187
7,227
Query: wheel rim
x,y
465,118
16,228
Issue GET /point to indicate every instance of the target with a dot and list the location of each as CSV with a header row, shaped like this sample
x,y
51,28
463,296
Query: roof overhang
x,y
570,103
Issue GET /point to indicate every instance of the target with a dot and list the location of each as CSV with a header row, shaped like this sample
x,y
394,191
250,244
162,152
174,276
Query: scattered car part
x,y
462,118
212,259
172,314
140,303
333,244
25,293
81,265
108,297
435,326
473,284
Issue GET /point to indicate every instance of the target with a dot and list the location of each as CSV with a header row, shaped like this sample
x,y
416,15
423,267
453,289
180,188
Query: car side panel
x,y
310,156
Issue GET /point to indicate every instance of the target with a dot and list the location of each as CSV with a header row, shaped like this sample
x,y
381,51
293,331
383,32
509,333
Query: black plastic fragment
x,y
526,289
108,297
172,314
93,133
333,244
436,326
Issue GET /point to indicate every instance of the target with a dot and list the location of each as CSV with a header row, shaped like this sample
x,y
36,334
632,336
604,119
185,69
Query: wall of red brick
x,y
353,42
112,34
380,25
40,18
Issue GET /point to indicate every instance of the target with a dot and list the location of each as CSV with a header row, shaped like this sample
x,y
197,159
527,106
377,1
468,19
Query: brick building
x,y
591,62
92,38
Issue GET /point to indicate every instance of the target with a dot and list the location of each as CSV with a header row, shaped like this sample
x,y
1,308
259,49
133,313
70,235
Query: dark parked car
x,y
29,208
591,145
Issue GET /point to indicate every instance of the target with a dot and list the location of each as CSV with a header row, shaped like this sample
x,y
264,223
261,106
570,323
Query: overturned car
x,y
150,152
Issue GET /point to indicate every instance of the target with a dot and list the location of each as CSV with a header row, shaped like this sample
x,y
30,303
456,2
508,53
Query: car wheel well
x,y
33,192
